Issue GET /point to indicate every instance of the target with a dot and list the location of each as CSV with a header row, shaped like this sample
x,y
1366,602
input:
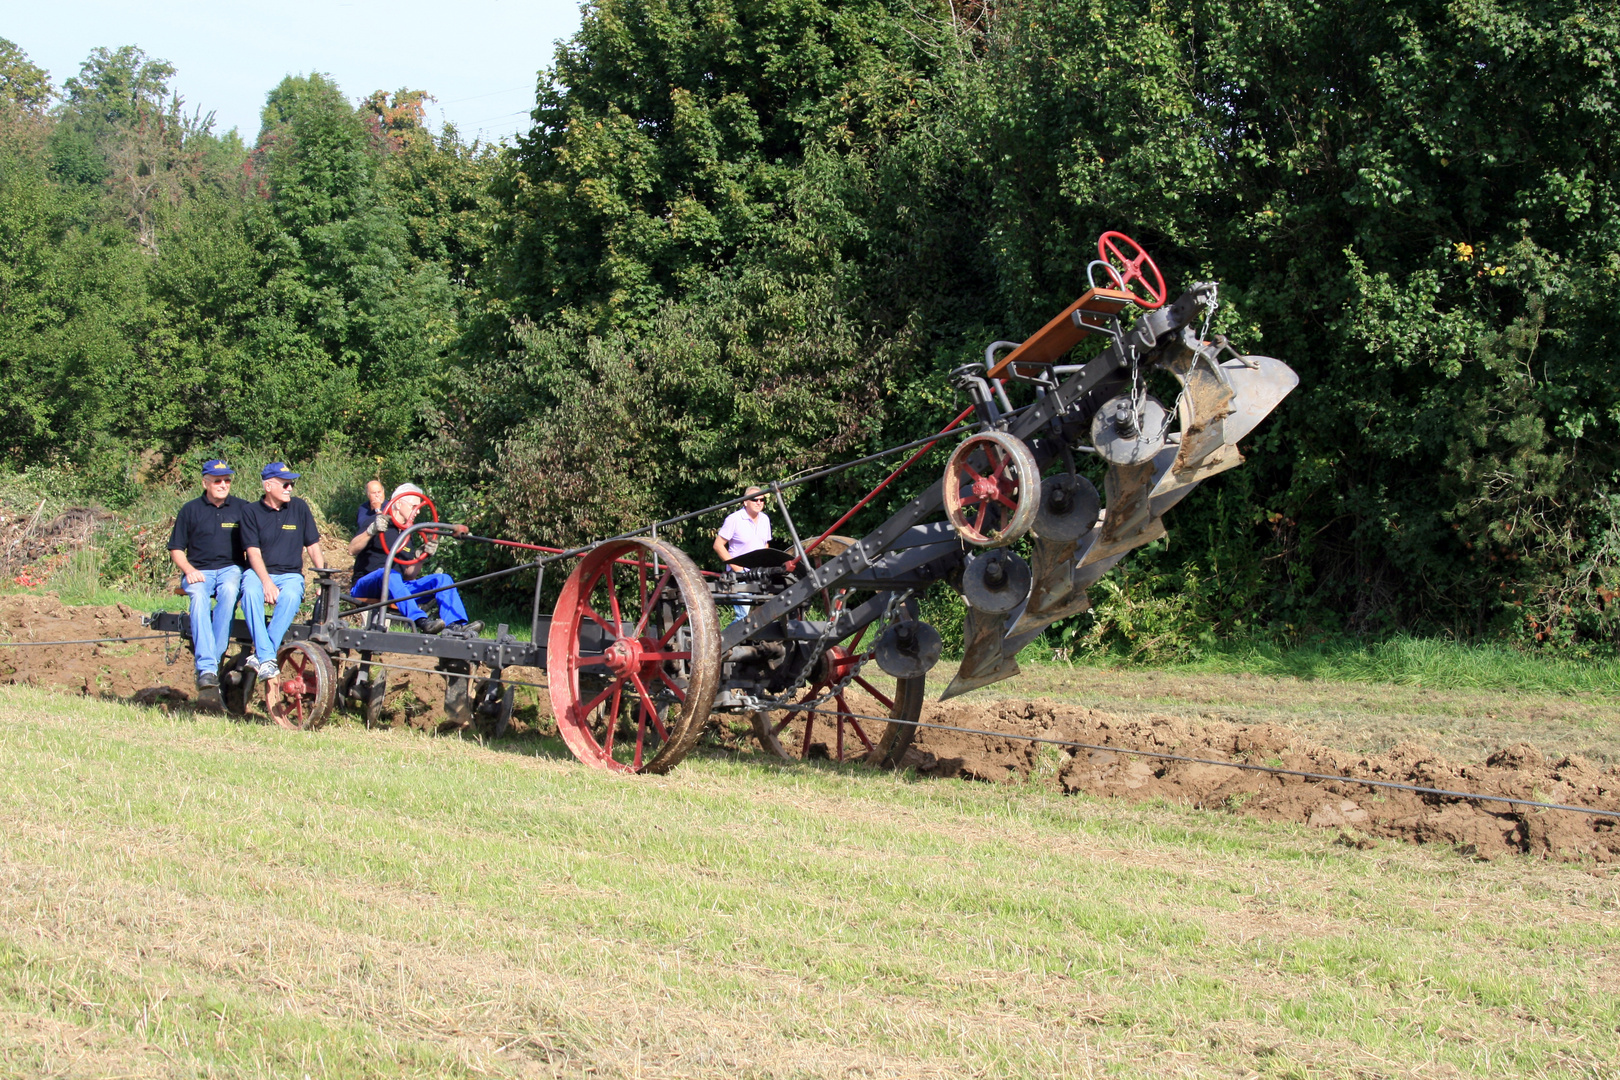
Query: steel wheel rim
x,y
645,604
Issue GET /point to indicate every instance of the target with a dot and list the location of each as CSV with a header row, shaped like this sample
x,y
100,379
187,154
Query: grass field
x,y
195,897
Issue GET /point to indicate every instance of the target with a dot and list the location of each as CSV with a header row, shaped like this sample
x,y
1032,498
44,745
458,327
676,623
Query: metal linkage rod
x,y
83,641
1273,769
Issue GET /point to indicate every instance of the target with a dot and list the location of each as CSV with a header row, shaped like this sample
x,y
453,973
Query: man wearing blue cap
x,y
206,546
276,532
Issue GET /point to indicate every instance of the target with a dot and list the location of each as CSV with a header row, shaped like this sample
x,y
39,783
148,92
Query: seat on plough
x,y
1086,316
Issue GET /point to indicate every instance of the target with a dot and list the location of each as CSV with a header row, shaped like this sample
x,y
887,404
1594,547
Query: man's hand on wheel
x,y
377,525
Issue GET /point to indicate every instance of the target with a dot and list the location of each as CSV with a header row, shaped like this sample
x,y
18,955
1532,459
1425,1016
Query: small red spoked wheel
x,y
633,657
1129,267
308,684
845,727
992,489
388,509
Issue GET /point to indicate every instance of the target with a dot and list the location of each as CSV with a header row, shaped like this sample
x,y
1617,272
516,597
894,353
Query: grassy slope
x,y
198,897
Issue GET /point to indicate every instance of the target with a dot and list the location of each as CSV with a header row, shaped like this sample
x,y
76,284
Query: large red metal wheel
x,y
992,489
308,686
843,728
633,657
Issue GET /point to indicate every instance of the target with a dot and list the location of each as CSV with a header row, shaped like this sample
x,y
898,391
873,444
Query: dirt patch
x,y
1361,813
159,674
32,548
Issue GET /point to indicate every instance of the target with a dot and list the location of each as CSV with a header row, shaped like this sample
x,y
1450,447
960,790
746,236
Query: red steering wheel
x,y
1109,251
388,509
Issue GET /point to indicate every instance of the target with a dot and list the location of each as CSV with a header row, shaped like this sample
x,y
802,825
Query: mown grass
x,y
192,896
1439,663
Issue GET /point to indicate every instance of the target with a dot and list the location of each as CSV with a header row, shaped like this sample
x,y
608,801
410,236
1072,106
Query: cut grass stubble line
x,y
741,918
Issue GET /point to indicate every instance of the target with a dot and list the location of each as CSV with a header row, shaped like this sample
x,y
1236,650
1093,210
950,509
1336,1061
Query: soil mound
x,y
1360,812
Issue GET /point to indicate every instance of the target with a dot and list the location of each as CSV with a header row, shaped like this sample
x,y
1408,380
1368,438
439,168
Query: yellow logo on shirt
x,y
227,524
293,527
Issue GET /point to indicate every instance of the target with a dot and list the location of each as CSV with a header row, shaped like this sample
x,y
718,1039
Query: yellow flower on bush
x,y
1465,252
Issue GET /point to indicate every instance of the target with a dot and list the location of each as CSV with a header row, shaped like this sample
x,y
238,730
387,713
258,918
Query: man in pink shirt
x,y
748,529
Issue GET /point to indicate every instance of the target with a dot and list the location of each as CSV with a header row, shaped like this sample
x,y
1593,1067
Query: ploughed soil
x,y
159,673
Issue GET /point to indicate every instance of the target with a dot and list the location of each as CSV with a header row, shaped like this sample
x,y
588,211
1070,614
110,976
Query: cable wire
x,y
85,641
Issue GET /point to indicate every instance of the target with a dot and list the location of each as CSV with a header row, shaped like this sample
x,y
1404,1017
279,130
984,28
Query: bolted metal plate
x,y
996,581
909,649
1124,438
1069,508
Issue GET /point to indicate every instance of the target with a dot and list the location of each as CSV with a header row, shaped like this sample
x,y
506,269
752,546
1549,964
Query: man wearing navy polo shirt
x,y
206,546
276,532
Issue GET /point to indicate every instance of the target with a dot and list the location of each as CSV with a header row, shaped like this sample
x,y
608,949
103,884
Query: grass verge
x,y
193,896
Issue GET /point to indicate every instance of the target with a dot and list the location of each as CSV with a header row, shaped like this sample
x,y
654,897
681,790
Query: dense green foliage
x,y
743,238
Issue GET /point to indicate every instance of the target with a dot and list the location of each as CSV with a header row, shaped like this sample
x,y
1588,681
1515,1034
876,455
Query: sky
x,y
479,58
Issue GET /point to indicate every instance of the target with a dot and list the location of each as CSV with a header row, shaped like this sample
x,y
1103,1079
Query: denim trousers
x,y
267,639
451,609
213,602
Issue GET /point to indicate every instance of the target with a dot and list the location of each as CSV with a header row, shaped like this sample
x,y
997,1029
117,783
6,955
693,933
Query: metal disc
x,y
995,581
911,658
1124,438
1069,508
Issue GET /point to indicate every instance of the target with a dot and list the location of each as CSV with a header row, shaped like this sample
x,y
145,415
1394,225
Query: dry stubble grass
x,y
196,897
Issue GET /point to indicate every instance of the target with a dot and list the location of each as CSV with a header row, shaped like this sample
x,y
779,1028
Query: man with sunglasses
x,y
277,532
745,530
206,546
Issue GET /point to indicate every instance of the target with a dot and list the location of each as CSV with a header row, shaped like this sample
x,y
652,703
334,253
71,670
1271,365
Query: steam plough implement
x,y
829,636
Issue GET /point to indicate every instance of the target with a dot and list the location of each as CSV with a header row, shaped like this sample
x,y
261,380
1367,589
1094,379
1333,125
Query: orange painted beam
x,y
1065,331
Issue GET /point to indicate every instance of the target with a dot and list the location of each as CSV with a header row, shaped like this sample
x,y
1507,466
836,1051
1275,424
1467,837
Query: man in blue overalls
x,y
370,548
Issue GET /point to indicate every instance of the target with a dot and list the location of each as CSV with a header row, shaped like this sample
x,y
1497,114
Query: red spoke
x,y
971,471
680,694
613,720
1004,501
586,710
972,500
654,656
613,602
1001,467
680,622
652,710
641,584
978,524
586,608
857,642
875,692
809,726
646,609
843,711
298,703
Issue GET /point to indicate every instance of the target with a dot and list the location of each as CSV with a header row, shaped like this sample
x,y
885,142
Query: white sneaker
x,y
269,670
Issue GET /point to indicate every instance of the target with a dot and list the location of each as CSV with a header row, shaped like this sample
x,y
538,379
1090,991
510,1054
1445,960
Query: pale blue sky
x,y
478,57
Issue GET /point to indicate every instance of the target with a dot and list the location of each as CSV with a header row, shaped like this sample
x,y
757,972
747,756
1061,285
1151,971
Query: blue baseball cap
x,y
217,467
277,470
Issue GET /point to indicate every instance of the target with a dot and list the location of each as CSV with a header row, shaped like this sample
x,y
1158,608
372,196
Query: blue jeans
x,y
451,609
267,640
213,602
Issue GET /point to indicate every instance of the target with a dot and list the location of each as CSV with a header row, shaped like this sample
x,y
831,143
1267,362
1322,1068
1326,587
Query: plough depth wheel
x,y
308,684
842,725
992,489
633,657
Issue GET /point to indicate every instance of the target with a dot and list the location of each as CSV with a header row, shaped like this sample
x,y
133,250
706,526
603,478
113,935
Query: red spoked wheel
x,y
633,657
307,685
846,726
1129,268
388,508
992,489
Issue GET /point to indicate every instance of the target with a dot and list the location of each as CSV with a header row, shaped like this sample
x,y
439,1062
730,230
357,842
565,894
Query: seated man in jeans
x,y
370,549
277,531
206,545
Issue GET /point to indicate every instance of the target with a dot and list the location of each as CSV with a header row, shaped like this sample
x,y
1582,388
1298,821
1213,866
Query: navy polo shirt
x,y
374,554
211,536
280,535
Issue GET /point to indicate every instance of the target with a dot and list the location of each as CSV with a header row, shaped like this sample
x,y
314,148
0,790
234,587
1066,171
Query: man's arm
x,y
316,559
189,572
256,563
721,549
375,526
